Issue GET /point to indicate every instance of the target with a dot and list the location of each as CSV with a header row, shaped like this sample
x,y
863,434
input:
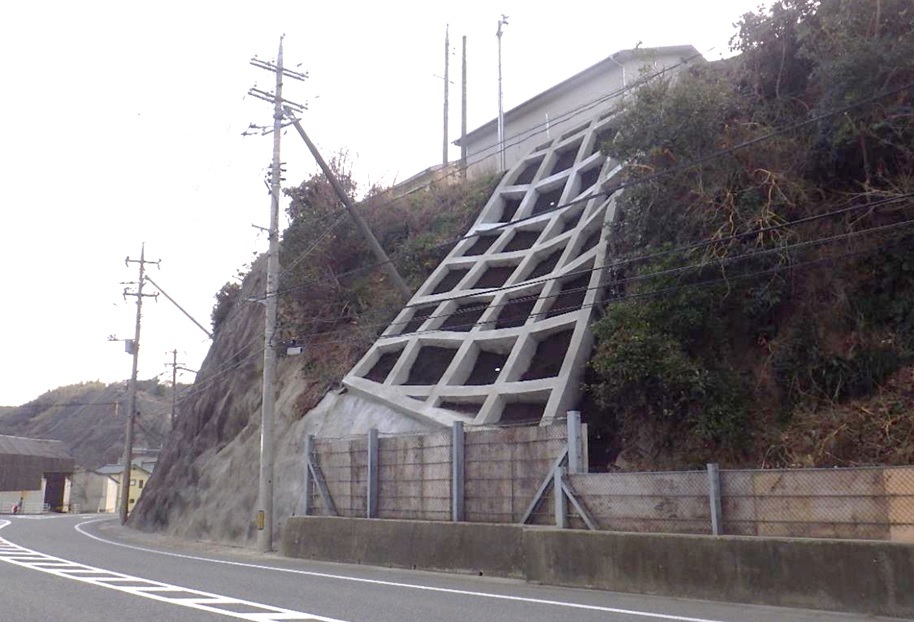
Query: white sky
x,y
122,122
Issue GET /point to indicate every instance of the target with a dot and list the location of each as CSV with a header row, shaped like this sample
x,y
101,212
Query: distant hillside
x,y
89,418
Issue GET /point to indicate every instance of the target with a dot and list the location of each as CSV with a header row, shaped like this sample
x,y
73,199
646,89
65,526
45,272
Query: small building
x,y
140,471
34,475
561,109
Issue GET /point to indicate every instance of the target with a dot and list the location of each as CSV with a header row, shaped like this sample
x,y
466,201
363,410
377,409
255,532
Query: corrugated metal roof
x,y
20,446
110,469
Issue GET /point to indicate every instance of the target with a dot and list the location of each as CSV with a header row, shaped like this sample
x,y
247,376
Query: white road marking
x,y
426,588
154,590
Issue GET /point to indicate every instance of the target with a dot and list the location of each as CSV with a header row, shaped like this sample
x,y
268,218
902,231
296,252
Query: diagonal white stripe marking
x,y
145,588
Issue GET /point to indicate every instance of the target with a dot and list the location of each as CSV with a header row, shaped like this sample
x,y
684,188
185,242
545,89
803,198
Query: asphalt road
x,y
86,569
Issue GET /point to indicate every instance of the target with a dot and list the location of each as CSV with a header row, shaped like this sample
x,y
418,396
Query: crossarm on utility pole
x,y
180,308
356,217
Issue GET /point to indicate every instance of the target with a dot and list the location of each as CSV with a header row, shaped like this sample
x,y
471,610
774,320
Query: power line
x,y
542,127
677,288
662,273
659,174
678,249
210,379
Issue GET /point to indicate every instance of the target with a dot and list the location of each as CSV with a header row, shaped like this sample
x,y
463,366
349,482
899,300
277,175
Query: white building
x,y
565,107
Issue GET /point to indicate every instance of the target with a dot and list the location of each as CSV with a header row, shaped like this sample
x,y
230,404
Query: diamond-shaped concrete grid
x,y
501,330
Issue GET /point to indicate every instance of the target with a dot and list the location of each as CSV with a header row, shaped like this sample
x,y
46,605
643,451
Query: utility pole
x,y
174,386
501,115
175,366
133,348
463,112
447,63
264,517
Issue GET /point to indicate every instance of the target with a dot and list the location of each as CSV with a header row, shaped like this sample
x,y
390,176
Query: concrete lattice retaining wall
x,y
864,577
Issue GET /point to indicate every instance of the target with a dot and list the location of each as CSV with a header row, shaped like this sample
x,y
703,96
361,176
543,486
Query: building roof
x,y
610,63
144,463
43,448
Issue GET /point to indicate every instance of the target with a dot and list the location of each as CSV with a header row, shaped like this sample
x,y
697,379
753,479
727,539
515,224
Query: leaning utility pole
x,y
180,308
363,227
447,54
133,348
264,515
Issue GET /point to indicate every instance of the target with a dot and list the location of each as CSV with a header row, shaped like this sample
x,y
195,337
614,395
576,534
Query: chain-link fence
x,y
504,469
510,475
668,502
413,477
342,465
875,503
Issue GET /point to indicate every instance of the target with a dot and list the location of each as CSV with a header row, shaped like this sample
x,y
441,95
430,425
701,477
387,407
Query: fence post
x,y
561,503
575,455
372,505
717,523
457,472
309,448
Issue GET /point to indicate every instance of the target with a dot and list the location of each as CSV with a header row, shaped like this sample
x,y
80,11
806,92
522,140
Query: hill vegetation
x,y
760,302
90,419
762,295
335,298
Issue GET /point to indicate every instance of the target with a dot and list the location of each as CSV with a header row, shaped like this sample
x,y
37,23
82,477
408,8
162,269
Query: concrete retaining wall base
x,y
843,575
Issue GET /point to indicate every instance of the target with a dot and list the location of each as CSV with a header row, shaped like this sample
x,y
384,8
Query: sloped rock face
x,y
206,481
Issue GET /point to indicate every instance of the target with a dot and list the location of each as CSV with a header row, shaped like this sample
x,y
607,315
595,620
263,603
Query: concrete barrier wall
x,y
854,576
488,549
841,575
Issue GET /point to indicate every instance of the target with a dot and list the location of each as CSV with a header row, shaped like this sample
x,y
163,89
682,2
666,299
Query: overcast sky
x,y
122,124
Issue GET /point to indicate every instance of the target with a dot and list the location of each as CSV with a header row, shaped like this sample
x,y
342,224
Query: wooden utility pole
x,y
264,515
133,348
174,386
501,115
175,366
447,63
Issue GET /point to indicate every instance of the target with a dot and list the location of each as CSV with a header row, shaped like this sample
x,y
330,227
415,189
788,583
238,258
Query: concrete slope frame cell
x,y
500,331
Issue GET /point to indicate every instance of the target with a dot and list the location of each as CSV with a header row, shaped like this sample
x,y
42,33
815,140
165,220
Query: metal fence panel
x,y
344,465
504,469
875,503
673,502
414,478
